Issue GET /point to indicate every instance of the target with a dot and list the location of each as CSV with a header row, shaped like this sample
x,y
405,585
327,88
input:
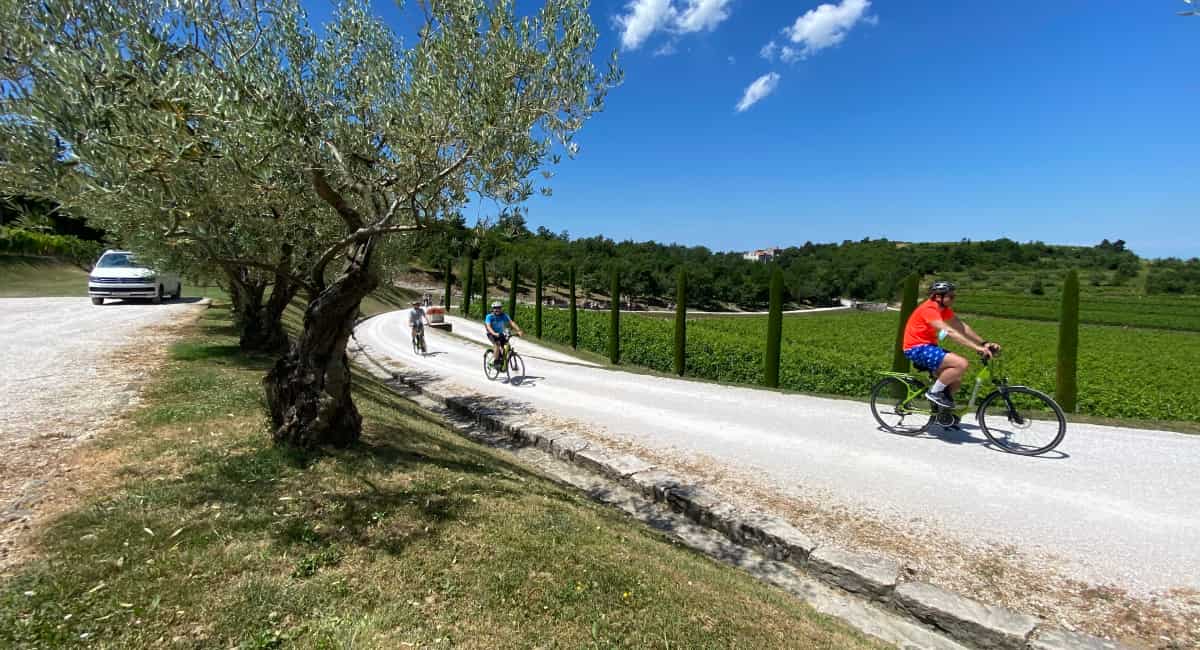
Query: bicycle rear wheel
x,y
1022,420
489,365
892,413
516,368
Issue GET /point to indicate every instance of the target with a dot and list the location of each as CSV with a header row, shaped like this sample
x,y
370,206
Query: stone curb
x,y
962,619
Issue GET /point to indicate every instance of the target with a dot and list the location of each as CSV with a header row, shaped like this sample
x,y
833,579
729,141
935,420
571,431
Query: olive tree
x,y
114,116
363,138
402,135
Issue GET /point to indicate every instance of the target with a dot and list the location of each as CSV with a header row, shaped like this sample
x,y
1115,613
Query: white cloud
x,y
826,26
666,50
758,90
787,54
702,15
768,51
644,17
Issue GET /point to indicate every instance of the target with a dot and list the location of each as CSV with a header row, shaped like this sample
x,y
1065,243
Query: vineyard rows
x,y
1179,313
839,354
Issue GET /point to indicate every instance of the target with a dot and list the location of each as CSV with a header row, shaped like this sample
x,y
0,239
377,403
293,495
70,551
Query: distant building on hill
x,y
762,255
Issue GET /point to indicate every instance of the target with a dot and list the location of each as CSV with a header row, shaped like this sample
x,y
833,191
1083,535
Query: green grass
x,y
838,353
45,277
388,298
194,531
35,277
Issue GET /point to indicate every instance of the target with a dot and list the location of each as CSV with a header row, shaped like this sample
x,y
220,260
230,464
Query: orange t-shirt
x,y
918,330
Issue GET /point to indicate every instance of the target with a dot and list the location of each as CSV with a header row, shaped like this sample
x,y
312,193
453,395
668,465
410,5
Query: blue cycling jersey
x,y
498,323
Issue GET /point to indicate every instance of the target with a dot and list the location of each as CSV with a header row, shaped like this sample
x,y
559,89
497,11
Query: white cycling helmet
x,y
498,304
941,288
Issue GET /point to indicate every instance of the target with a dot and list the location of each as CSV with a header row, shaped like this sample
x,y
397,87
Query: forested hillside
x,y
817,274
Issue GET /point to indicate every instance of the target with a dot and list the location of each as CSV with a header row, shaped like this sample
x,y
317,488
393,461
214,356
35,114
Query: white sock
x,y
938,387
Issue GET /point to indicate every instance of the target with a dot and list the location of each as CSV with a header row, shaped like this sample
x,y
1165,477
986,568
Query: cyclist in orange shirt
x,y
932,321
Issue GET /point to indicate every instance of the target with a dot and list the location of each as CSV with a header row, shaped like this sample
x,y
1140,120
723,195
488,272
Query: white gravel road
x,y
1117,506
54,376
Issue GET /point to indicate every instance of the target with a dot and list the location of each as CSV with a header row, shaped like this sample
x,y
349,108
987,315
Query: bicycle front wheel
x,y
489,365
1022,420
894,411
516,368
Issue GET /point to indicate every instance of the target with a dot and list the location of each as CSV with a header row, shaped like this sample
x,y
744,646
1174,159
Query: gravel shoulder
x,y
68,371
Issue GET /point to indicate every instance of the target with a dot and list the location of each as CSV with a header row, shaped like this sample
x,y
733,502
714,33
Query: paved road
x,y
1116,506
54,377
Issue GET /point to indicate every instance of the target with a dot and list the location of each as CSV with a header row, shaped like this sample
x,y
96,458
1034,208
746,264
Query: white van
x,y
119,274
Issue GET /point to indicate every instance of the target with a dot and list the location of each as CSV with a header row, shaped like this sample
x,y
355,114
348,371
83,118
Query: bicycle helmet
x,y
941,288
498,304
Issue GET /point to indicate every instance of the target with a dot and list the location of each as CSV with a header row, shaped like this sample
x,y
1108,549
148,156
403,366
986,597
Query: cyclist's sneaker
x,y
941,399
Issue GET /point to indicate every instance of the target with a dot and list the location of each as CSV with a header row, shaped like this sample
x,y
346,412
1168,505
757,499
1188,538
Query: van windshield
x,y
117,260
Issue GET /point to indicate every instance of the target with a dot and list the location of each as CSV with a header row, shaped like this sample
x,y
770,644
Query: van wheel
x,y
97,301
157,299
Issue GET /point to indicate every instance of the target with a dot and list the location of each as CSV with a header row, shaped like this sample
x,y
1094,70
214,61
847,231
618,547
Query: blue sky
x,y
924,120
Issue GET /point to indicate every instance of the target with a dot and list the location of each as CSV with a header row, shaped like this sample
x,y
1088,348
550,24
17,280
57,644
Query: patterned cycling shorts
x,y
926,357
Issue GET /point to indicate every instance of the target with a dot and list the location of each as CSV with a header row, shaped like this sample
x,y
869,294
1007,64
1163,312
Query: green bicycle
x,y
1017,419
510,362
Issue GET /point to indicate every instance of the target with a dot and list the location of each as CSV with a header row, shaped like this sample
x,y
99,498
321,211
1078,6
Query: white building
x,y
762,255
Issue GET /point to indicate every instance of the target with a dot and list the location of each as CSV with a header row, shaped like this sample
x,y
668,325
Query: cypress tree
x,y
681,323
537,308
483,287
449,283
908,303
468,286
512,293
614,321
573,333
1065,388
774,330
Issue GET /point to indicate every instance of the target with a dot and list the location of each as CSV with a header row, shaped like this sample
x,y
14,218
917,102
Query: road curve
x,y
1117,506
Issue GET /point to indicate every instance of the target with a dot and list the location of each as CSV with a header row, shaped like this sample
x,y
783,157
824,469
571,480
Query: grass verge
x,y
29,277
197,532
46,277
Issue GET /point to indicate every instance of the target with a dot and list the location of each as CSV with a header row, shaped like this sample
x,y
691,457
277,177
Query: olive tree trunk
x,y
257,316
308,390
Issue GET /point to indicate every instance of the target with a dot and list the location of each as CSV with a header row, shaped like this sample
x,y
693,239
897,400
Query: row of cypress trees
x,y
1066,387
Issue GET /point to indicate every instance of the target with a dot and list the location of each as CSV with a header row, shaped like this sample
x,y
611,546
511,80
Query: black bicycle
x,y
418,339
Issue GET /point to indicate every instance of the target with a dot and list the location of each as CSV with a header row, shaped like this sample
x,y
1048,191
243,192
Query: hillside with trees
x,y
814,274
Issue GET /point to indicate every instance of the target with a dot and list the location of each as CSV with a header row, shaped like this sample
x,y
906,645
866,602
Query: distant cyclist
x,y
932,321
497,323
417,319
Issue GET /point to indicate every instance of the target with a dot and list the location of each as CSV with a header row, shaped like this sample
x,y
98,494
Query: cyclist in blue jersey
x,y
497,323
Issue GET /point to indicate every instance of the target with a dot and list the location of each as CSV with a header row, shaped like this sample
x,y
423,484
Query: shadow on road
x,y
116,302
965,434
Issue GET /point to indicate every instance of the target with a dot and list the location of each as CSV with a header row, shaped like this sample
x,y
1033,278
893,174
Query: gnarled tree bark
x,y
308,390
